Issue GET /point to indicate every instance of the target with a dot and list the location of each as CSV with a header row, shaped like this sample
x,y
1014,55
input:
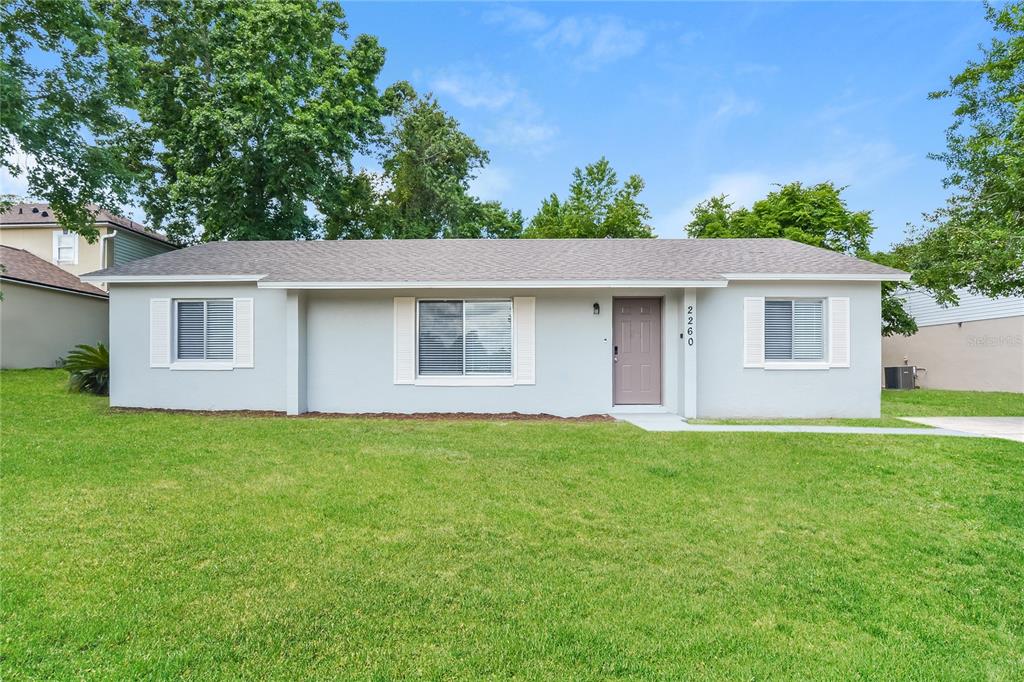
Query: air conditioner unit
x,y
902,377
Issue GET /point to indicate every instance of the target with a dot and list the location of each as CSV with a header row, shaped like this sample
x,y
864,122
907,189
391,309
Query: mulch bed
x,y
417,416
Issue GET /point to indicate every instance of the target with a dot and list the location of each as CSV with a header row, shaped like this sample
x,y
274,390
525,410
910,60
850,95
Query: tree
x,y
815,215
423,190
64,117
977,239
596,207
248,112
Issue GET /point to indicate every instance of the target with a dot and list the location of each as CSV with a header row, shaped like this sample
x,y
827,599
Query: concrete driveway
x,y
1010,428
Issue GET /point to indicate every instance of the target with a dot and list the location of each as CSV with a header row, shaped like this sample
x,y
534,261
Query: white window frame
x,y
57,236
823,363
463,379
195,363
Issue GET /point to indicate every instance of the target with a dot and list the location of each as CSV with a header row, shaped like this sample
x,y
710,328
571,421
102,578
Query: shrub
x,y
89,367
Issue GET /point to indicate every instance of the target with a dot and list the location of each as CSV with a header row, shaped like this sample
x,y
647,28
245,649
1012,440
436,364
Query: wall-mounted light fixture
x,y
597,308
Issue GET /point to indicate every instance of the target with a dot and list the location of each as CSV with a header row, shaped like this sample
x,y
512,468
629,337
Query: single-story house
x,y
701,328
45,312
976,345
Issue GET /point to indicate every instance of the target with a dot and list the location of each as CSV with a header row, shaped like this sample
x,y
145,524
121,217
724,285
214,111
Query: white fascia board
x,y
516,284
753,277
168,279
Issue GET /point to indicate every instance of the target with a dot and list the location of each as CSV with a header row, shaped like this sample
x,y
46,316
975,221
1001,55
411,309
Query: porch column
x,y
689,353
295,352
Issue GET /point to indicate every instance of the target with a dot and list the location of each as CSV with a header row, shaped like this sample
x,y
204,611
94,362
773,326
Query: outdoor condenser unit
x,y
901,377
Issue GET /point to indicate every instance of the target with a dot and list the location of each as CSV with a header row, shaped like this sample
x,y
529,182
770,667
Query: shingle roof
x,y
22,266
494,260
25,215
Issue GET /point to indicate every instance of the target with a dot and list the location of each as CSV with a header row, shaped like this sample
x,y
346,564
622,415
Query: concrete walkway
x,y
1010,428
673,422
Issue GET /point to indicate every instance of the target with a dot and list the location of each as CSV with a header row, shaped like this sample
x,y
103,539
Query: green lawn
x,y
936,403
155,545
917,403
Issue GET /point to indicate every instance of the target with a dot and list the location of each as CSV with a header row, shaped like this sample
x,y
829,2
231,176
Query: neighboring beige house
x,y
977,345
33,228
45,311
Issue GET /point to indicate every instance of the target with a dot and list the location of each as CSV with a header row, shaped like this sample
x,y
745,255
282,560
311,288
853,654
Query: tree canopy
x,y
248,112
422,190
815,215
977,239
60,96
596,207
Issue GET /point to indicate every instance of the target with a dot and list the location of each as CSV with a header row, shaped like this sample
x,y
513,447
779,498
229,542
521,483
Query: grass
x,y
937,403
917,403
149,545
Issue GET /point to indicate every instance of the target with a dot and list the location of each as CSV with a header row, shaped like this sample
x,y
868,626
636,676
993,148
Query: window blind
x,y
488,329
808,330
458,338
778,330
794,329
440,338
220,332
191,332
205,330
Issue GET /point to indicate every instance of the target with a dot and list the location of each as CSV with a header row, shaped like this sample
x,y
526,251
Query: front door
x,y
637,351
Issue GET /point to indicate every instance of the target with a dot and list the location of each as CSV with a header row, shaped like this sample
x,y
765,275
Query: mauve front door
x,y
637,351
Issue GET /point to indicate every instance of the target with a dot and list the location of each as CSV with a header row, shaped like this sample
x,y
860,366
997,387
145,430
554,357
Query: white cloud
x,y
514,132
492,183
733,106
591,41
856,164
518,120
475,90
595,40
518,18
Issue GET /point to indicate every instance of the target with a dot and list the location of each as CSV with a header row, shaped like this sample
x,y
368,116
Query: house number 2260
x,y
689,325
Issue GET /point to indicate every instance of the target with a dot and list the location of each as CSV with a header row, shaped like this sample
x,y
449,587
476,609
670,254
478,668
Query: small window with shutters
x,y
204,330
464,338
794,330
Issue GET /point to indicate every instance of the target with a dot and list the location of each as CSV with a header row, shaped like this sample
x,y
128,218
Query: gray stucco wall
x,y
38,325
726,389
133,383
350,356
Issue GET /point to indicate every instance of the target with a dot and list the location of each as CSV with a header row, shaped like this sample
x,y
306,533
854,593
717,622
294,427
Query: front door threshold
x,y
639,409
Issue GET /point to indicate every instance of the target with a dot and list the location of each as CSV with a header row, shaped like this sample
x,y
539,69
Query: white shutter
x,y
839,331
523,316
753,331
405,339
56,246
159,332
243,332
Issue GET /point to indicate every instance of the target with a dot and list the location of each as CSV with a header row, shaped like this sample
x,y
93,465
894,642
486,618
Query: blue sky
x,y
699,99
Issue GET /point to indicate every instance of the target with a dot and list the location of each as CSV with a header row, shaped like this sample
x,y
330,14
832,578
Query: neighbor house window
x,y
794,329
204,330
67,247
465,338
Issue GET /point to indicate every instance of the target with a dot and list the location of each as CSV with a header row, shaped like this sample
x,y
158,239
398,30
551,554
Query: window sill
x,y
203,365
797,365
464,381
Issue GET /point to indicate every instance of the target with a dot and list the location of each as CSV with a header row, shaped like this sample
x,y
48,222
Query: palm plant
x,y
89,367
